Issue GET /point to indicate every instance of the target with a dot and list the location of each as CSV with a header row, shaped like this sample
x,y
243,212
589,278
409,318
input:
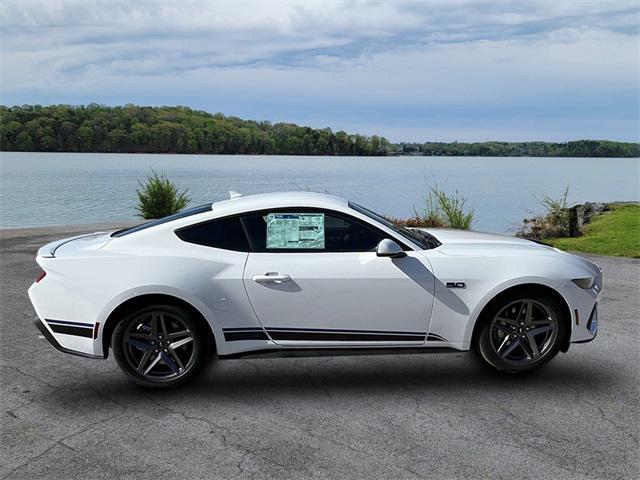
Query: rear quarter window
x,y
185,213
226,233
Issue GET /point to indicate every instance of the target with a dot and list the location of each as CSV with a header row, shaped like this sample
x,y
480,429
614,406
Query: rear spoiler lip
x,y
49,250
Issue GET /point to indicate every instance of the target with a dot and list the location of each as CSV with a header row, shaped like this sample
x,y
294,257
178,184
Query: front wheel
x,y
160,346
521,333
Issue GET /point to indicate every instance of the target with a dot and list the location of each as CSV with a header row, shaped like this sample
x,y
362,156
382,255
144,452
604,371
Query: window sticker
x,y
295,230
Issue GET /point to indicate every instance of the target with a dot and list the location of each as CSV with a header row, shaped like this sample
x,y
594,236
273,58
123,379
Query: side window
x,y
309,231
226,233
346,234
295,231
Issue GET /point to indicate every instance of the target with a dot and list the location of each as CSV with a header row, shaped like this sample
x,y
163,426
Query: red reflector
x,y
41,276
95,330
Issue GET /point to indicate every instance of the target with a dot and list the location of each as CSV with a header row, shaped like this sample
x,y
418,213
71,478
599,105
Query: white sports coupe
x,y
301,274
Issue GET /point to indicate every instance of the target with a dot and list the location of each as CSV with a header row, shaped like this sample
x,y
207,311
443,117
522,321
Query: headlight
x,y
584,282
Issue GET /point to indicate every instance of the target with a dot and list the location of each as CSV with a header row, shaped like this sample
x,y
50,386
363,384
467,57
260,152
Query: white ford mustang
x,y
298,274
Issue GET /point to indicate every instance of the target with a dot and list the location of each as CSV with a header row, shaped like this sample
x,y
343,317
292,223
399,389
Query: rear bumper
x,y
50,338
64,319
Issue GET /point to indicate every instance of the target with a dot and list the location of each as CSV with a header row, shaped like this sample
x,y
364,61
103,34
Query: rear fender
x,y
193,301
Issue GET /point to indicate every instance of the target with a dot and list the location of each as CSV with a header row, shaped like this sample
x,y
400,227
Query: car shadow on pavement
x,y
454,374
378,376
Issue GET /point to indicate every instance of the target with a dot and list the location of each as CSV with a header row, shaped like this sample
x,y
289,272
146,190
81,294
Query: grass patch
x,y
616,232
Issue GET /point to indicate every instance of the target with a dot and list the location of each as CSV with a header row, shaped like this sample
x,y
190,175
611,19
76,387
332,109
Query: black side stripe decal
x,y
237,334
316,334
249,335
341,335
243,329
344,337
331,330
432,337
77,329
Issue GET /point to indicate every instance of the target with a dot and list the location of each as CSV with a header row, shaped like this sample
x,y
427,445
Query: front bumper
x,y
583,304
592,325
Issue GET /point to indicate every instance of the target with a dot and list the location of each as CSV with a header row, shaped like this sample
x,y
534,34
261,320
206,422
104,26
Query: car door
x,y
313,278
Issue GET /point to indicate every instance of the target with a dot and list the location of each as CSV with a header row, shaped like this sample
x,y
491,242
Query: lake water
x,y
38,189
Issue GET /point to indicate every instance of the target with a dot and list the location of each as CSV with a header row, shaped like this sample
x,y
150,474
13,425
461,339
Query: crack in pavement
x,y
61,441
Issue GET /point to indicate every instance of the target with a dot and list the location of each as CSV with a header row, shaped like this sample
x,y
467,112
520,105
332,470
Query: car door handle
x,y
271,277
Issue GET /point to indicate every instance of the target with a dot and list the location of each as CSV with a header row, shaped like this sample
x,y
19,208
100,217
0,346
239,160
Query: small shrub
x,y
557,211
433,213
453,209
552,223
415,221
160,197
441,211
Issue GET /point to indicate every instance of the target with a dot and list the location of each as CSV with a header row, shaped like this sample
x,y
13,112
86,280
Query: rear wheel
x,y
160,346
521,333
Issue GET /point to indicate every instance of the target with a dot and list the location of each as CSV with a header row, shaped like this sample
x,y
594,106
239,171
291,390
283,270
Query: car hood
x,y
447,237
461,242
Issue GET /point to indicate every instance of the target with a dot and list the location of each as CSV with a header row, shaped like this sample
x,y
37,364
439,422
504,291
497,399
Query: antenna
x,y
233,194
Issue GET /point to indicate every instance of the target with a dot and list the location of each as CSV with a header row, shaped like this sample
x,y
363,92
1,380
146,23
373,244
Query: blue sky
x,y
408,70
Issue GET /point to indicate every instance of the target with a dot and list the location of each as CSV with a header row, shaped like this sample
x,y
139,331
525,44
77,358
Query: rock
x,y
593,208
546,226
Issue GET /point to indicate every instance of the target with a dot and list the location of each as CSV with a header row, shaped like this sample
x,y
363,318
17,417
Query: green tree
x,y
159,197
132,128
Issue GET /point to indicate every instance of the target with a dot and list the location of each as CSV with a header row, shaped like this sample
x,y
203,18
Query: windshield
x,y
424,239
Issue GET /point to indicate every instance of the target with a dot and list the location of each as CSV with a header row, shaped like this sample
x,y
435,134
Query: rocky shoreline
x,y
564,222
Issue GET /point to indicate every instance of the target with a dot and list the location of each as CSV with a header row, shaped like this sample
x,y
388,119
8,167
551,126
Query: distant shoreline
x,y
395,155
180,130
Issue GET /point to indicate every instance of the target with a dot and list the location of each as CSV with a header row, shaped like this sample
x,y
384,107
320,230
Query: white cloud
x,y
329,61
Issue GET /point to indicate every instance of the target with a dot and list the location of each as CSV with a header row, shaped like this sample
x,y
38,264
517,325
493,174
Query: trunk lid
x,y
75,245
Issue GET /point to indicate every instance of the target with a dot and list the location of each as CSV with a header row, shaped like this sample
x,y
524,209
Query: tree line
x,y
136,129
578,148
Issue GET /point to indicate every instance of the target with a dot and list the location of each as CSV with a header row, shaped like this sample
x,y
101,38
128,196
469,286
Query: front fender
x,y
486,272
474,315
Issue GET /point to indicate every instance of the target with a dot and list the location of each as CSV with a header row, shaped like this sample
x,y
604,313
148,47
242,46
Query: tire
x,y
521,332
160,346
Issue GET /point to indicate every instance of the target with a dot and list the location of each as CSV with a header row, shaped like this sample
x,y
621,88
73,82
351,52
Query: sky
x,y
432,70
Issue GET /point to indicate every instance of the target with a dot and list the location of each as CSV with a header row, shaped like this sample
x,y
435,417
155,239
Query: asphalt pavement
x,y
438,416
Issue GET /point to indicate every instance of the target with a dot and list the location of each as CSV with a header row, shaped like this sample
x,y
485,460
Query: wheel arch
x,y
132,304
539,289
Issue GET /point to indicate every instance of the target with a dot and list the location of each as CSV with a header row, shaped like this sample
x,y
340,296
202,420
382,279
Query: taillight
x,y
41,276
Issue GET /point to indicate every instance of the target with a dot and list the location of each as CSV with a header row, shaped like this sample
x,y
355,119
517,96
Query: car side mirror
x,y
389,248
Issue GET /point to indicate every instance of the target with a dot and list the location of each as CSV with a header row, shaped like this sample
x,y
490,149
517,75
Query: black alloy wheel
x,y
521,333
160,346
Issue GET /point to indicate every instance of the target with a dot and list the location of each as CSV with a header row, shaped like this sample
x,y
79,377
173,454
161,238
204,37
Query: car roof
x,y
239,204
277,200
